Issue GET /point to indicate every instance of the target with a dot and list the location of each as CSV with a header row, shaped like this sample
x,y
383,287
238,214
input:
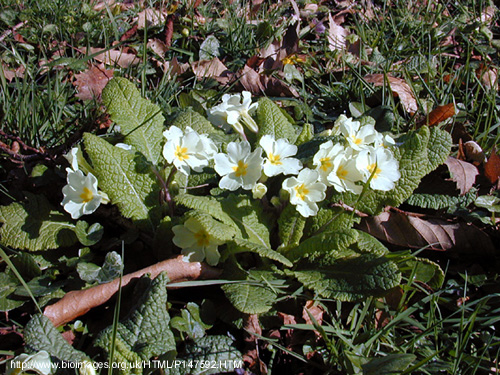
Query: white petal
x,y
212,255
193,254
307,209
267,143
223,165
291,166
284,149
183,237
230,182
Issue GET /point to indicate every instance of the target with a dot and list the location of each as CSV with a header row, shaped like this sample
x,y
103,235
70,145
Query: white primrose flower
x,y
81,196
196,243
323,159
345,174
279,158
358,136
384,140
381,163
236,111
188,150
239,167
39,363
305,191
77,161
259,190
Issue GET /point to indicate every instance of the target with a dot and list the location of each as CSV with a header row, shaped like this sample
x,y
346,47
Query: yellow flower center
x,y
342,173
301,191
357,141
372,167
275,159
292,60
240,169
181,153
326,164
87,195
202,238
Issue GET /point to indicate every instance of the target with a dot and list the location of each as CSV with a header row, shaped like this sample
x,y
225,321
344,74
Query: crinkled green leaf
x,y
272,121
26,265
239,211
417,157
40,334
391,364
218,350
35,225
195,121
213,227
110,270
88,236
133,190
329,219
209,48
250,298
8,286
490,202
332,243
366,243
440,201
190,322
145,333
239,245
291,227
351,278
140,120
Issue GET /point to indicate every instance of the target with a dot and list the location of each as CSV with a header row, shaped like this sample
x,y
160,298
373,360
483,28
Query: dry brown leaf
x,y
91,82
316,312
488,14
492,167
399,88
251,354
474,153
208,68
250,80
129,33
418,231
439,114
336,35
112,57
157,46
10,74
78,302
169,30
276,87
488,77
462,173
150,17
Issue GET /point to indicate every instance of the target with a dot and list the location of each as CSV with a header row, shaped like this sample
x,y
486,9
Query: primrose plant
x,y
209,190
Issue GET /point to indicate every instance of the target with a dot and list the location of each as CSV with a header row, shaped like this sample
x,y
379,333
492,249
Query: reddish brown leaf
x,y
418,231
463,173
250,80
399,88
492,167
114,56
474,153
208,68
129,33
316,312
169,30
91,82
251,354
440,113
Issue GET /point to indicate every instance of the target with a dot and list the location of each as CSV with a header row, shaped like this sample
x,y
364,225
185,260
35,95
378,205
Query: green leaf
x,y
190,322
351,278
425,271
35,225
195,121
8,286
213,227
272,121
26,264
209,48
240,212
40,334
291,227
218,350
329,219
146,332
390,364
438,148
135,192
305,135
249,298
239,245
140,120
88,236
331,243
366,243
490,202
440,201
110,270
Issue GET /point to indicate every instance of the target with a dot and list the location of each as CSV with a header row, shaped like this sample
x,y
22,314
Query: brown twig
x,y
6,33
79,302
349,208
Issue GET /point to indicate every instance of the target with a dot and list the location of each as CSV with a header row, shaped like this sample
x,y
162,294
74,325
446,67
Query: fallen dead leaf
x,y
250,80
208,68
10,74
251,354
336,35
473,152
439,114
399,88
316,312
488,77
462,173
91,82
419,231
488,14
492,167
157,46
169,30
150,18
112,57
